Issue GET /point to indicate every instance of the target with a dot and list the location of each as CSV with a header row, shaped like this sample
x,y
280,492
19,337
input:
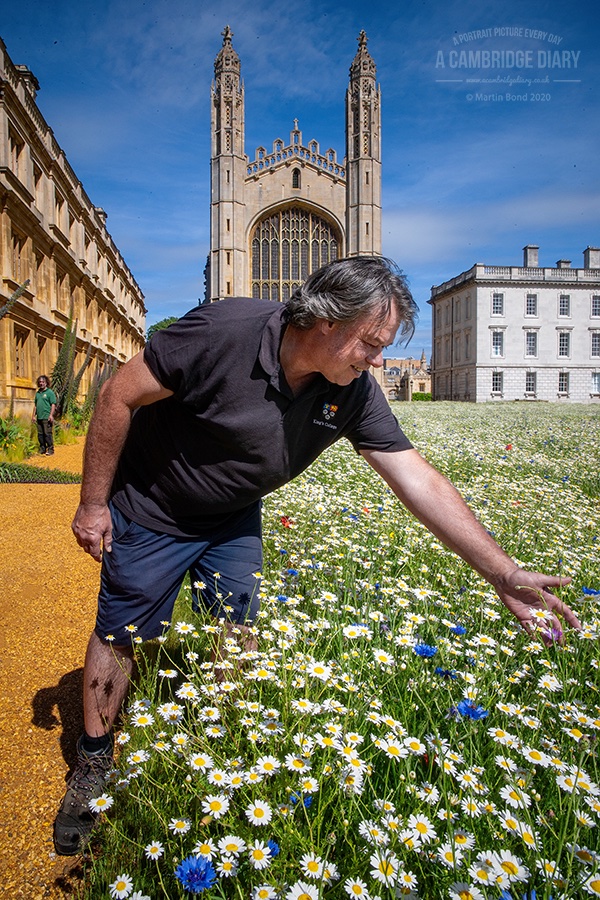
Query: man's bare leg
x,y
243,635
105,684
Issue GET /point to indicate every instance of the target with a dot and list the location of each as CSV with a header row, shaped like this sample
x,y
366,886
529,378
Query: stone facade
x,y
281,215
52,235
401,378
519,332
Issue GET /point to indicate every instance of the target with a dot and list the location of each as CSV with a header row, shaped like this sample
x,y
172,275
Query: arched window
x,y
286,247
295,178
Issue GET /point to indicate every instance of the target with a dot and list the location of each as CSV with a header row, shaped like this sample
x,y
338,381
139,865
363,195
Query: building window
x,y
497,304
497,343
21,347
530,382
20,272
531,346
467,307
595,311
497,382
564,305
595,382
564,343
563,382
59,205
467,345
531,305
457,348
286,248
457,310
447,322
296,178
15,146
595,343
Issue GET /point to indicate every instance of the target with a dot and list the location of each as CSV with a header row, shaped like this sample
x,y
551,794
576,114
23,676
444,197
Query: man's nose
x,y
375,359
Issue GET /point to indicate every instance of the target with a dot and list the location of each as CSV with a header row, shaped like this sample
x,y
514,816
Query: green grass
x,y
484,753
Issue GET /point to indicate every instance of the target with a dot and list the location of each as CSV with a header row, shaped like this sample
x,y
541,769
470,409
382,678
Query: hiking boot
x,y
75,820
49,452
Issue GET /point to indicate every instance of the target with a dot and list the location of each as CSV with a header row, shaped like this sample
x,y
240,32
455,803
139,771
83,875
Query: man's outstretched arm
x,y
438,505
131,386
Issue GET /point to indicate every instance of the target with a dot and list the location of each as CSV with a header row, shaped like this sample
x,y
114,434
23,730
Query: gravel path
x,y
47,608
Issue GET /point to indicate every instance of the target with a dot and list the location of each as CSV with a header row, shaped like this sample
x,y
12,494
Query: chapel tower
x,y
363,156
227,262
281,215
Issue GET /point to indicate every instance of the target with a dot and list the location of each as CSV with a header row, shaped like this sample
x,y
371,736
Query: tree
x,y
4,310
164,323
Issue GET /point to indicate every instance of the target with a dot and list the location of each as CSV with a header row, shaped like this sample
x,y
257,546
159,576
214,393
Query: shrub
x,y
19,473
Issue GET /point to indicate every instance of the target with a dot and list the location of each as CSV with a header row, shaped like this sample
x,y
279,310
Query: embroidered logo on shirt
x,y
329,411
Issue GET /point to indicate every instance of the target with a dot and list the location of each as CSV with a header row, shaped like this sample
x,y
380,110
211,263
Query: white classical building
x,y
519,332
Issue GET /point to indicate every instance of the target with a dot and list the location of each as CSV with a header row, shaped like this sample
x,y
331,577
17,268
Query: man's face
x,y
348,350
42,384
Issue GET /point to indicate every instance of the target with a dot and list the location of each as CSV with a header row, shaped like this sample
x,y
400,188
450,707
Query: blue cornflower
x,y
445,673
273,847
590,592
469,709
296,798
506,895
282,598
291,572
425,650
196,874
458,629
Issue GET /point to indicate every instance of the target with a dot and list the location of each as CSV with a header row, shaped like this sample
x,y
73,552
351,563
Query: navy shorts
x,y
143,574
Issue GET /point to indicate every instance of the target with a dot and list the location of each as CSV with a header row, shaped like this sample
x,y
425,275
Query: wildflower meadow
x,y
395,734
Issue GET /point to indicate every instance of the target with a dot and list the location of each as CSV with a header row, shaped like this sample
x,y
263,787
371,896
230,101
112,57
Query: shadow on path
x,y
61,706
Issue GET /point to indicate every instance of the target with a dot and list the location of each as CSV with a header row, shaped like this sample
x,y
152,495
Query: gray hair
x,y
349,289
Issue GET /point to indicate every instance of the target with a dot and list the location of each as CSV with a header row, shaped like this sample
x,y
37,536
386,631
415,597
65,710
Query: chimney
x,y
530,256
563,263
29,80
591,258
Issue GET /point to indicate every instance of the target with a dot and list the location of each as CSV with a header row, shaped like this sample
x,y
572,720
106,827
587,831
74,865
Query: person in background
x,y
44,407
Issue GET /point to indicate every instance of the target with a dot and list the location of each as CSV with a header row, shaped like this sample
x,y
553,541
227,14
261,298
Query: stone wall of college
x,y
53,236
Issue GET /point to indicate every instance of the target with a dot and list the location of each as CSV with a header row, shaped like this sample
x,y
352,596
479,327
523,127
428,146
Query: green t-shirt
x,y
43,403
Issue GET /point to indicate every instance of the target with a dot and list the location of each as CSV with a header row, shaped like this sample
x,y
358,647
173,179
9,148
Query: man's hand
x,y
528,596
92,528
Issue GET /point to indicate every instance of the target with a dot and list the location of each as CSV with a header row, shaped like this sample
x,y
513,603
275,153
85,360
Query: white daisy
x,y
259,813
154,850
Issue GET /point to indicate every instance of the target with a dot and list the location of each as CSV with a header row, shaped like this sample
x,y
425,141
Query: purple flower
x,y
425,650
470,710
196,874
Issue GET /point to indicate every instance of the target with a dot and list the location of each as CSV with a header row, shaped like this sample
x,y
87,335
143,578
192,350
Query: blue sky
x,y
469,173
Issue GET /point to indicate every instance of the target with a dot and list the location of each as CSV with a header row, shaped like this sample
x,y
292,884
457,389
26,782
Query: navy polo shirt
x,y
233,431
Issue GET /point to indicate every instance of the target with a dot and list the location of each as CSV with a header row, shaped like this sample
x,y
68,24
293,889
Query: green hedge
x,y
19,473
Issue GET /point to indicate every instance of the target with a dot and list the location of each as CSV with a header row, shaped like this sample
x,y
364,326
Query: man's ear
x,y
325,326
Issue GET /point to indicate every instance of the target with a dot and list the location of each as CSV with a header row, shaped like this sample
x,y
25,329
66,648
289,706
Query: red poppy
x,y
287,523
508,447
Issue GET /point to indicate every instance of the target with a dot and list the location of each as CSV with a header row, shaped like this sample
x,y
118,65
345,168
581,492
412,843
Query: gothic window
x,y
296,178
286,247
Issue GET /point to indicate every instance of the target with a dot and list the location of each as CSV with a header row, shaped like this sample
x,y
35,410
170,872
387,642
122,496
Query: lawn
x,y
396,734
